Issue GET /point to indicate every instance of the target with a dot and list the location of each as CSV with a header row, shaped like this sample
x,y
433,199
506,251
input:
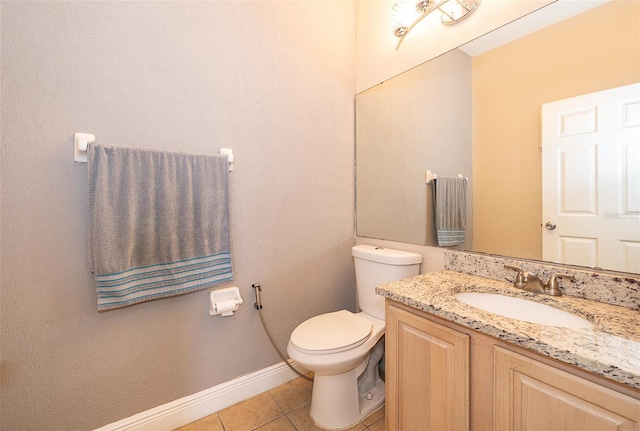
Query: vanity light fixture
x,y
407,14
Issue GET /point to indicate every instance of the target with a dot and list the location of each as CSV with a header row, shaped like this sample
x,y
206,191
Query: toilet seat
x,y
331,333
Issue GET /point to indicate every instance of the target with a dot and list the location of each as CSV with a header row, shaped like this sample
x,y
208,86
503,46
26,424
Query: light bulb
x,y
403,15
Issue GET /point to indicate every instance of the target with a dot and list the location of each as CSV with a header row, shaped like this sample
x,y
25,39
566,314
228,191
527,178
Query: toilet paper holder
x,y
223,302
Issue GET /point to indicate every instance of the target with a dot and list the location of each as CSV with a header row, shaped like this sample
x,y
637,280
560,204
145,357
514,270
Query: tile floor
x,y
284,408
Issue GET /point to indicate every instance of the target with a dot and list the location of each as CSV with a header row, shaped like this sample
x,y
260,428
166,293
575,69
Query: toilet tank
x,y
378,265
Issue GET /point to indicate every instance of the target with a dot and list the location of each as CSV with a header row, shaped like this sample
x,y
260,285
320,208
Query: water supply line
x,y
258,305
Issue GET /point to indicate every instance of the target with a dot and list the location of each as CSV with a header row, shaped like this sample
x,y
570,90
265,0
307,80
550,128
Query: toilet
x,y
343,349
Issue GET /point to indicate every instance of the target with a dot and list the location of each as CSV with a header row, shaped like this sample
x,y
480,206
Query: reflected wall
x,y
417,121
594,51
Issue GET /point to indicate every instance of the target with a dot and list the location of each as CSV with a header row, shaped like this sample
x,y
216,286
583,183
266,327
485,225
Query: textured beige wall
x,y
273,81
574,57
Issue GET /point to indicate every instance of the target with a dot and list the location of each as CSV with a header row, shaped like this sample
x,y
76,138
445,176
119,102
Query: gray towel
x,y
159,223
450,210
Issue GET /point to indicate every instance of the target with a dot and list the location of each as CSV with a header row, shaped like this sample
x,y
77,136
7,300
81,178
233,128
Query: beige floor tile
x,y
208,423
251,413
293,394
280,424
373,417
266,412
303,422
377,425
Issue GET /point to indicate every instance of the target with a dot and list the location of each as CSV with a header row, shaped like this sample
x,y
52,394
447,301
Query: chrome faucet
x,y
530,282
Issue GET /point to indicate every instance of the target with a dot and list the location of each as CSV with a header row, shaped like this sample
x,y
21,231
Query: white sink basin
x,y
521,309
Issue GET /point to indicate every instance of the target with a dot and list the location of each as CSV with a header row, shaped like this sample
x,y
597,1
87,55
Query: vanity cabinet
x,y
444,376
427,374
530,395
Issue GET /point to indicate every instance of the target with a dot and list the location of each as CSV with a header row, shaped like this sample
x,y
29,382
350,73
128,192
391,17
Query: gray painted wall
x,y
273,81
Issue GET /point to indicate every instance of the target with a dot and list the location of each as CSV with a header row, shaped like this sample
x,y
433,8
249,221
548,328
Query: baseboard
x,y
193,407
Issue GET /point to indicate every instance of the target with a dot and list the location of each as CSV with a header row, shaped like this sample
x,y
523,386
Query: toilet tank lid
x,y
385,255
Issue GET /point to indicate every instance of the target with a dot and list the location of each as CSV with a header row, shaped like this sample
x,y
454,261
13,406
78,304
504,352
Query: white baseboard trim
x,y
193,407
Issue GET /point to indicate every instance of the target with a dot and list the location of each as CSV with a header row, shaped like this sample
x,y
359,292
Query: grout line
x,y
220,420
272,419
292,424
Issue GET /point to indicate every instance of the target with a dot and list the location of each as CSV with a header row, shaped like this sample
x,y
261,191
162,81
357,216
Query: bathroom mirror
x,y
477,113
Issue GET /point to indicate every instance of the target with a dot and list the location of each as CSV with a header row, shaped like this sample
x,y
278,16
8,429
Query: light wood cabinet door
x,y
529,395
427,380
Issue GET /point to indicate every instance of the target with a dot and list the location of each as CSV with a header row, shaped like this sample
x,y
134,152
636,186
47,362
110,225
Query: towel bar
x,y
82,140
429,176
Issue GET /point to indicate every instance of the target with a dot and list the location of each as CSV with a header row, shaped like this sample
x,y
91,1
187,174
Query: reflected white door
x,y
591,180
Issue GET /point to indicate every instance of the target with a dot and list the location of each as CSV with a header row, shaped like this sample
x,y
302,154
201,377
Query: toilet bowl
x,y
343,392
344,349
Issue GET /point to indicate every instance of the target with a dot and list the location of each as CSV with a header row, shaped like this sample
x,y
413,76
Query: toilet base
x,y
340,401
377,400
342,407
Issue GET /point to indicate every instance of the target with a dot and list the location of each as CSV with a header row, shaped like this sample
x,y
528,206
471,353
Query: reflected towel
x,y
450,210
159,223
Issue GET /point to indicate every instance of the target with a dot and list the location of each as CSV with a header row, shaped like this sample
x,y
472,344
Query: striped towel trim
x,y
448,237
143,283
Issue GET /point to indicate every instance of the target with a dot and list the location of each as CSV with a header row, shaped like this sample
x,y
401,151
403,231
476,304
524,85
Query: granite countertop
x,y
611,348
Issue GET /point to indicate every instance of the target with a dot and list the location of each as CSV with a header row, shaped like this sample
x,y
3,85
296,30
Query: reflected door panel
x,y
591,179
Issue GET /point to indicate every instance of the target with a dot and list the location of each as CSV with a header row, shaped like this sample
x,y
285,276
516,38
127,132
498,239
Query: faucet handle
x,y
515,268
518,282
552,285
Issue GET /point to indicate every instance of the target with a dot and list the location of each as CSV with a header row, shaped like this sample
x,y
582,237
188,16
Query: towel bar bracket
x,y
80,143
229,153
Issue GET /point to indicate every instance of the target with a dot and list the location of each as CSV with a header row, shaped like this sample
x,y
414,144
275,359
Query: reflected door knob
x,y
550,226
